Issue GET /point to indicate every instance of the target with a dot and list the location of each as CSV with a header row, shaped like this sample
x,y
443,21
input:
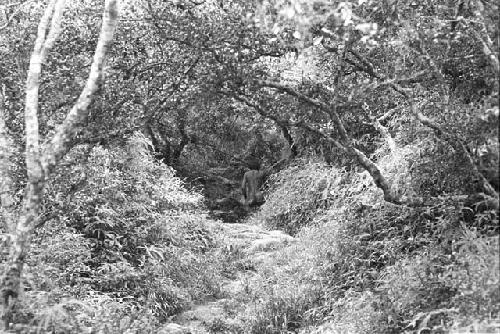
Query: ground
x,y
251,246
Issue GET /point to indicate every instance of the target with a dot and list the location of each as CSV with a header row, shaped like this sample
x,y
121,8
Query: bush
x,y
364,266
356,312
120,227
386,276
94,314
296,194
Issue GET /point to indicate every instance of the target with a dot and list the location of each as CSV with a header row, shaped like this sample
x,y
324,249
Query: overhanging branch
x,y
346,144
59,144
449,138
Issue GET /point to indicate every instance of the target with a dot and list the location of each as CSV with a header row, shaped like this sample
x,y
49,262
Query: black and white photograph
x,y
249,167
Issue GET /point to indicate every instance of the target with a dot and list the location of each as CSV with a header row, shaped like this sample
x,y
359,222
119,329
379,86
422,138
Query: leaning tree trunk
x,y
40,164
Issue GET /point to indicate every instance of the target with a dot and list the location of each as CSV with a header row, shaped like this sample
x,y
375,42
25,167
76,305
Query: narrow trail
x,y
251,245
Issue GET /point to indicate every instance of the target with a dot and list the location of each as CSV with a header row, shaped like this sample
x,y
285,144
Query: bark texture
x,y
455,142
344,142
40,164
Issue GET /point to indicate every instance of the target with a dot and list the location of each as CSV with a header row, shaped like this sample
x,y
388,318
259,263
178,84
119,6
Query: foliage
x,y
298,193
123,243
122,227
94,313
283,309
364,266
358,289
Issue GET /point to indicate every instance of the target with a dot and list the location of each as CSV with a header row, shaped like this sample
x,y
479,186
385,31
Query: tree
x,y
349,33
42,160
371,68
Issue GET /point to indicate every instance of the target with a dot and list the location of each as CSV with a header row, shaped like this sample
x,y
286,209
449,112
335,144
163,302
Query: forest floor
x,y
248,247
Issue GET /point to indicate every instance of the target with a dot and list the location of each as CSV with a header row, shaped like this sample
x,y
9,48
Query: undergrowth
x,y
361,265
123,246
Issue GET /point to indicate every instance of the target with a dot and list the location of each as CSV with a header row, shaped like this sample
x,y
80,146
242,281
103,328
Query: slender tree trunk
x,y
289,139
39,166
181,126
161,147
20,234
345,141
450,138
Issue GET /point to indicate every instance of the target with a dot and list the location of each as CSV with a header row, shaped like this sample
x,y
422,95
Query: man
x,y
253,180
250,187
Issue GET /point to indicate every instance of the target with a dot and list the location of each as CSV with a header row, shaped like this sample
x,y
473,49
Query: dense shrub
x,y
296,194
364,266
95,313
121,228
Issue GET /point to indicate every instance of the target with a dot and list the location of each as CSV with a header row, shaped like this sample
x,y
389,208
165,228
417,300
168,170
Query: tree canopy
x,y
116,116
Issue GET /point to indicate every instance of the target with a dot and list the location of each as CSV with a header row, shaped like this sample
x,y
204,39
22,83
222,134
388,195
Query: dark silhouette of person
x,y
250,187
254,179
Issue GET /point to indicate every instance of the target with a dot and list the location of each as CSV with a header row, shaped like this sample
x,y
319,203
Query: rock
x,y
271,241
253,247
173,328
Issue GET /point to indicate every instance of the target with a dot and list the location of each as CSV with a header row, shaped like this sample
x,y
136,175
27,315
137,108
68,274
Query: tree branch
x,y
39,167
59,144
330,110
35,173
449,138
486,42
55,28
345,145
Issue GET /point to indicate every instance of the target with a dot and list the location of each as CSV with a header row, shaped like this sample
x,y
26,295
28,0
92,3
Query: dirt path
x,y
250,246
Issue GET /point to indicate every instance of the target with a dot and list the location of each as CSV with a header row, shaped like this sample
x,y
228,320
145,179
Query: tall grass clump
x,y
361,265
121,238
297,193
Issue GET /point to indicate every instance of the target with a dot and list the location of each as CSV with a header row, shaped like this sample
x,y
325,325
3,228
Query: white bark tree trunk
x,y
40,164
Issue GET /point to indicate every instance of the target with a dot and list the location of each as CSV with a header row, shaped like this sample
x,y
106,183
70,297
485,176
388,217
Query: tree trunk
x,y
39,166
289,139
